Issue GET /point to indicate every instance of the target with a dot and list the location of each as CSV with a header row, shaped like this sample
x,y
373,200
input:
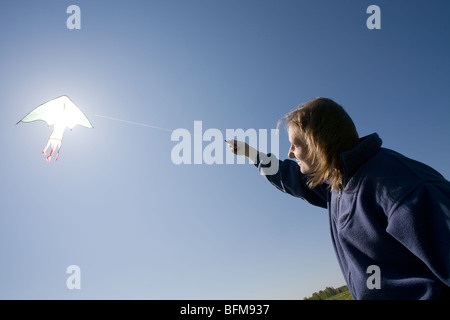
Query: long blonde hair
x,y
325,130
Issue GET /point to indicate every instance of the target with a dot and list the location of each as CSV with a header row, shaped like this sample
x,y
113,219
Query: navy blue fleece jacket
x,y
393,213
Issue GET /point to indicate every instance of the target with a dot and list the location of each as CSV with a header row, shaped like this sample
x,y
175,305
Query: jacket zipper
x,y
338,202
340,192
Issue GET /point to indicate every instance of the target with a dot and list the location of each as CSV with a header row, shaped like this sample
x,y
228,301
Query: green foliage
x,y
341,296
330,293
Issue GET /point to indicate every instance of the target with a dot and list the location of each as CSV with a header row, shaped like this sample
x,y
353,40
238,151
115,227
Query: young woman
x,y
387,212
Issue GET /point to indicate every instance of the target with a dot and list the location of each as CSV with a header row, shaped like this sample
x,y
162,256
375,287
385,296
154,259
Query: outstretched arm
x,y
287,177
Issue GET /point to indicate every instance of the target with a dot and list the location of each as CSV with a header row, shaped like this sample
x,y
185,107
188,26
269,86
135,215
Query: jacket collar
x,y
353,159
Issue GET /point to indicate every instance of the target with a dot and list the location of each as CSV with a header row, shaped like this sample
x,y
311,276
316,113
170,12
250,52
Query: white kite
x,y
62,113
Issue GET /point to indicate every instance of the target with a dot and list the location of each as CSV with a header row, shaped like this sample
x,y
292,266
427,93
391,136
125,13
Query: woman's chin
x,y
304,169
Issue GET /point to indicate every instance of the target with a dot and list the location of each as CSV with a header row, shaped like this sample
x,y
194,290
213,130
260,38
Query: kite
x,y
62,113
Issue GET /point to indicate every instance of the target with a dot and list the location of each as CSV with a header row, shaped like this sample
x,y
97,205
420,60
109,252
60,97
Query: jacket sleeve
x,y
289,179
421,222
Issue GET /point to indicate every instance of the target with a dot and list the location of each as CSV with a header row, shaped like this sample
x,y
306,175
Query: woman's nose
x,y
291,154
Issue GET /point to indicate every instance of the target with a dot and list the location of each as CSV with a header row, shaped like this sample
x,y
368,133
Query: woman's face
x,y
297,152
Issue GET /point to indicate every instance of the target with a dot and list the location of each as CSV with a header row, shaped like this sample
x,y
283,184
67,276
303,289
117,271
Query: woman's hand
x,y
242,149
238,147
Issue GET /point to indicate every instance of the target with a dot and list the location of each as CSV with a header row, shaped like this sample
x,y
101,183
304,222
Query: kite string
x,y
143,124
135,123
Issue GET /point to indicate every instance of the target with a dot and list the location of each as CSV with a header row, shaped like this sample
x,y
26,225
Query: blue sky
x,y
141,227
